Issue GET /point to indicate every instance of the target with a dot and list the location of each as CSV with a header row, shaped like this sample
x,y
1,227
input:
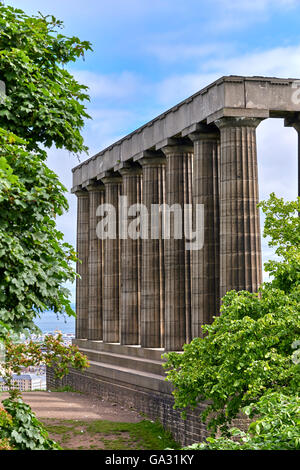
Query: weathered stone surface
x,y
95,265
177,322
153,274
112,271
205,262
130,263
82,247
240,246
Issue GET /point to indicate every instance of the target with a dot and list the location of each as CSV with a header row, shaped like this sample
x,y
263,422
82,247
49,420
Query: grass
x,y
108,435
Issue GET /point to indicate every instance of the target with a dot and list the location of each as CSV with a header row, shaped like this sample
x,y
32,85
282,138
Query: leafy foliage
x,y
247,350
44,101
51,352
277,428
34,261
23,430
282,227
5,424
19,427
43,106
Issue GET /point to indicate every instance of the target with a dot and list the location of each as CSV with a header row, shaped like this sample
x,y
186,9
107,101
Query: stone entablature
x,y
259,97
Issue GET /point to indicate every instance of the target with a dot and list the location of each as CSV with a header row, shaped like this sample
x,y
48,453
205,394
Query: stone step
x,y
129,362
117,348
147,380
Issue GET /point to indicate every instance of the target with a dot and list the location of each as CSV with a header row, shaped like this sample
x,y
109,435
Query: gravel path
x,y
71,405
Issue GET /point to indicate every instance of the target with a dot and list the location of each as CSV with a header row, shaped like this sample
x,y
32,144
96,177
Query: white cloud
x,y
109,86
256,5
176,52
277,167
62,162
277,159
238,15
177,87
107,126
282,62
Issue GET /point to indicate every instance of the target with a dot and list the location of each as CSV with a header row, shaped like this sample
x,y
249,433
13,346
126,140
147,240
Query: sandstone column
x,y
240,246
152,259
130,259
82,283
177,308
95,265
112,277
205,261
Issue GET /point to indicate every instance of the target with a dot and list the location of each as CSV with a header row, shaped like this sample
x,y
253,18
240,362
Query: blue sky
x,y
150,54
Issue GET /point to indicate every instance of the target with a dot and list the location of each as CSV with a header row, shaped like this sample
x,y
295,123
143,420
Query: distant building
x,y
23,382
38,382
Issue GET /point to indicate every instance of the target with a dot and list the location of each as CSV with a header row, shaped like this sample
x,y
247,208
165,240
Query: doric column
x,y
112,276
95,265
205,261
240,246
82,282
130,259
152,259
177,279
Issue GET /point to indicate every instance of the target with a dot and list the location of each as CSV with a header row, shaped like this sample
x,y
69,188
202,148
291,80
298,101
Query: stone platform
x,y
133,377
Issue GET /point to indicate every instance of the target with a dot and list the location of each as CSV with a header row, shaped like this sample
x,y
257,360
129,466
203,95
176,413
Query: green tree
x,y
19,427
276,428
43,106
44,102
247,350
34,260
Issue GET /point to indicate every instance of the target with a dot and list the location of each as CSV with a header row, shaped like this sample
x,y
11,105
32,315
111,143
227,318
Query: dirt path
x,y
76,406
83,422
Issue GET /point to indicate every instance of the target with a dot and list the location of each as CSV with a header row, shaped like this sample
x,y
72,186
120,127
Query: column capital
x,y
95,187
204,132
152,161
175,146
79,192
130,170
111,179
237,122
